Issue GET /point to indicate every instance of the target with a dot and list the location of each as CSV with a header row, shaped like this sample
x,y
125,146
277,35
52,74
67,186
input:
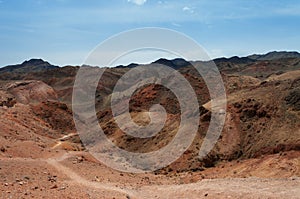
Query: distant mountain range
x,y
275,55
37,65
31,65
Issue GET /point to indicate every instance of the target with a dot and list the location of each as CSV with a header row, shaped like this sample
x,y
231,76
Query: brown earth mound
x,y
31,91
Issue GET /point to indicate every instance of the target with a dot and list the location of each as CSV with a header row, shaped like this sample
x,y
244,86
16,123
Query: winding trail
x,y
75,178
217,188
209,188
82,181
62,139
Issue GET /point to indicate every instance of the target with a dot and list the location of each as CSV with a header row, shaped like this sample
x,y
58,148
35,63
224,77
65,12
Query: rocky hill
x,y
32,65
275,55
260,138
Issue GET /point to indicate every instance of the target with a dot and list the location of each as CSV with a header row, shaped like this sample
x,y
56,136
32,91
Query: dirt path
x,y
208,188
75,178
228,188
62,139
215,188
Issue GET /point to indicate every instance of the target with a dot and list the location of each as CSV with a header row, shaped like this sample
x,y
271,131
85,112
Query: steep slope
x,y
262,118
30,91
32,119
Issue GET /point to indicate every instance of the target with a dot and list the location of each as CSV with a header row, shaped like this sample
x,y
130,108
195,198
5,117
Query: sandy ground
x,y
69,175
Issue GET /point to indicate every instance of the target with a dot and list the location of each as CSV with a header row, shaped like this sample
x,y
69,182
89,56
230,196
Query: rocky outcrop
x,y
31,91
293,99
7,99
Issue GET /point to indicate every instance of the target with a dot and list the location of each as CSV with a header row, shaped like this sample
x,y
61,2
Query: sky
x,y
64,32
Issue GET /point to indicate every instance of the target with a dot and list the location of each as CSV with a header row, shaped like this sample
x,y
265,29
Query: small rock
x,y
52,178
6,184
293,178
2,149
61,188
80,159
97,179
54,187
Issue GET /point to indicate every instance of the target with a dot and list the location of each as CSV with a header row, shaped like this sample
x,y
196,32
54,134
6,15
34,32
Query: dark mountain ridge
x,y
32,65
223,63
275,55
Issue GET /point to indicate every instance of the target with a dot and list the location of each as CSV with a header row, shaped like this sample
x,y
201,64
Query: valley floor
x,y
77,175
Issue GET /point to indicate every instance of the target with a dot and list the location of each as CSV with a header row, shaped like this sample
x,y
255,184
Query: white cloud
x,y
138,2
187,9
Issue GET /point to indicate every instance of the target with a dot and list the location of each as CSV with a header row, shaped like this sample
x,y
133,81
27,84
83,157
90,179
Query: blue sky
x,y
65,31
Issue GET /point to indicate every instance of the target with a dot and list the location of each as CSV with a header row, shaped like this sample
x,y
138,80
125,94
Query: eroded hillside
x,y
260,138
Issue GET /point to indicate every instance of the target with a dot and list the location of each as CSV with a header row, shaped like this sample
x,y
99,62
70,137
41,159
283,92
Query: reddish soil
x,y
256,156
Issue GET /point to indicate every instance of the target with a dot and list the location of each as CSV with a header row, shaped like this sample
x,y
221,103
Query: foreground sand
x,y
77,175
